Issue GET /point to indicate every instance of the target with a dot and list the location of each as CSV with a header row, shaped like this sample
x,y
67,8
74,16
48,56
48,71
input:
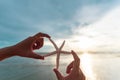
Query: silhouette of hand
x,y
25,48
58,74
73,70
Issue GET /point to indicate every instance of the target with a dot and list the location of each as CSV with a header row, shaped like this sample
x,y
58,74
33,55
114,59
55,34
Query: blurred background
x,y
90,27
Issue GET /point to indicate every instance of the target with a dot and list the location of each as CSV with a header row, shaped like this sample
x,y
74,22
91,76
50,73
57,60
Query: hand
x,y
69,67
58,74
25,48
73,70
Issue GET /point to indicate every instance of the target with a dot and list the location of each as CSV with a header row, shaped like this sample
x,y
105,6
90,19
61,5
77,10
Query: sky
x,y
85,25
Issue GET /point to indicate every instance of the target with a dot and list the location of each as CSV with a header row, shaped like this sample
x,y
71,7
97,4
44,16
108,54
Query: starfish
x,y
58,51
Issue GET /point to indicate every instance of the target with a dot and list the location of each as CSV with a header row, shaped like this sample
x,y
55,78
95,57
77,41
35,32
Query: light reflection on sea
x,y
95,67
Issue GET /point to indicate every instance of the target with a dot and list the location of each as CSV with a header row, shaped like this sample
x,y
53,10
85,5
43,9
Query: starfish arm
x,y
53,43
62,45
58,55
54,52
57,59
49,54
65,52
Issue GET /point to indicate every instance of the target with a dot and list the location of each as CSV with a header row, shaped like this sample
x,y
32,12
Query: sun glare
x,y
84,43
86,64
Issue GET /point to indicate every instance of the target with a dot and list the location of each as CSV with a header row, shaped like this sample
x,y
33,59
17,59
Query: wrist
x,y
11,51
6,52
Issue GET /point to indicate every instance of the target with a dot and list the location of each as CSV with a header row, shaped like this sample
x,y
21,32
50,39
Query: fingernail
x,y
72,51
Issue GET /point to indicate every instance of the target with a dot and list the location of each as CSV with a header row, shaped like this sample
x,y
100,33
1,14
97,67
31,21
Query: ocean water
x,y
102,66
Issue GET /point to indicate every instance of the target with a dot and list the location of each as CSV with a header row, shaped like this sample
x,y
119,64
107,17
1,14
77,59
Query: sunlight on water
x,y
95,67
86,65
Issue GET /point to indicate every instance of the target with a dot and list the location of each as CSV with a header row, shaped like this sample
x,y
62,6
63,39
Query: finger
x,y
36,56
69,67
58,74
38,43
76,62
38,35
76,58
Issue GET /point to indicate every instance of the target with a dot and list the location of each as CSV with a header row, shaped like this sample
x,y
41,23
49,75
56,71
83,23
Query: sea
x,y
95,66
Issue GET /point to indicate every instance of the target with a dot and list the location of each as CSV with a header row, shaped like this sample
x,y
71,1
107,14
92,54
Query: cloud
x,y
20,19
29,17
92,12
104,31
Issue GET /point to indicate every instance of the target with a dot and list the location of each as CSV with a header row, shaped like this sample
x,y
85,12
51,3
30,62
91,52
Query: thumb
x,y
36,56
55,70
58,74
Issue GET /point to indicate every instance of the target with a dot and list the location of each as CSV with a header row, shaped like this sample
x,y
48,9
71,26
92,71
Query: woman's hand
x,y
25,48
